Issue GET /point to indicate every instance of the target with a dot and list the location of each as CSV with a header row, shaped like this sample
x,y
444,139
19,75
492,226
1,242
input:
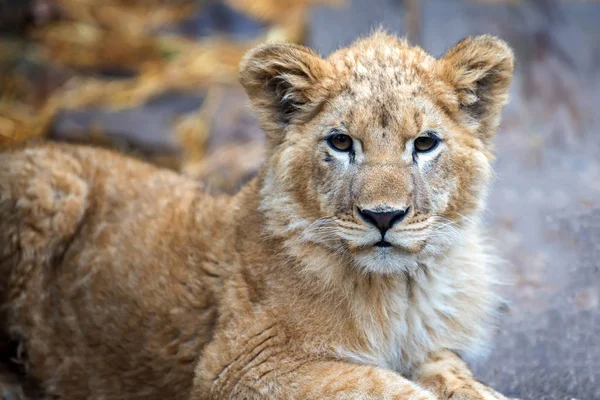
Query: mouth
x,y
383,243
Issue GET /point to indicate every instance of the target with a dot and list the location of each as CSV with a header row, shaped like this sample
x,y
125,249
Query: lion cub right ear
x,y
284,83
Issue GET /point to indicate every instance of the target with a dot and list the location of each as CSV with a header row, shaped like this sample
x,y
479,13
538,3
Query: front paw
x,y
474,391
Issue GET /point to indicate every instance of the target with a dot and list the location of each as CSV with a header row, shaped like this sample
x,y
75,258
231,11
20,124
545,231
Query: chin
x,y
385,260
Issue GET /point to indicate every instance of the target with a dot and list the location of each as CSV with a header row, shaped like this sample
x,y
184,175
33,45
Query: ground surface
x,y
545,206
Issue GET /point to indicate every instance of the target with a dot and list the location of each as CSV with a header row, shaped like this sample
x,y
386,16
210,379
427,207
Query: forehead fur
x,y
385,91
390,80
382,58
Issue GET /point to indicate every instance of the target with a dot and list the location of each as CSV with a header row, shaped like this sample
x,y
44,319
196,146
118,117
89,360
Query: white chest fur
x,y
447,303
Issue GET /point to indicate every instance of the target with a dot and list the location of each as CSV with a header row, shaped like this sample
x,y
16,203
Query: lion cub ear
x,y
479,70
284,82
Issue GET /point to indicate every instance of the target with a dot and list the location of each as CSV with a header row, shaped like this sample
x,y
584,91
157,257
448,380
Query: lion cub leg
x,y
253,362
445,374
322,380
340,380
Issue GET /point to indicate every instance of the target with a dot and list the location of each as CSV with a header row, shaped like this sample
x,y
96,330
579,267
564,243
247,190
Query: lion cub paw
x,y
475,391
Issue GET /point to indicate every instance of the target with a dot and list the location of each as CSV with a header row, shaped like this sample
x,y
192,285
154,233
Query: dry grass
x,y
73,54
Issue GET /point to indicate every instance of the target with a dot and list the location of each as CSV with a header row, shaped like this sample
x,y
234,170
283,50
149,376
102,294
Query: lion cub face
x,y
380,153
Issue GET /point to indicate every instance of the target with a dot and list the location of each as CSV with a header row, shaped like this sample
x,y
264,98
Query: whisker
x,y
350,225
468,219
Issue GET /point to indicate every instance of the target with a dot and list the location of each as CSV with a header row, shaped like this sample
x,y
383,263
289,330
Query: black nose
x,y
383,220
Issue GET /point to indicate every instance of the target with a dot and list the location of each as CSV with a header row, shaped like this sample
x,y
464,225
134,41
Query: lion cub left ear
x,y
479,70
285,84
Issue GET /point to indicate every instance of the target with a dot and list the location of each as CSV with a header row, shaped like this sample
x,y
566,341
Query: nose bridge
x,y
385,186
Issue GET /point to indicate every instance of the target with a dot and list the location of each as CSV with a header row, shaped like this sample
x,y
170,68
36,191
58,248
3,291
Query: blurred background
x,y
158,80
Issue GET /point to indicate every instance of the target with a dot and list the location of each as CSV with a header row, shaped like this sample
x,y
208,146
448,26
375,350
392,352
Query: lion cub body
x,y
87,236
124,281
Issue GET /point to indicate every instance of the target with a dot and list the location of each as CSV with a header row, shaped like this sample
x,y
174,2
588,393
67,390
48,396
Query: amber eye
x,y
340,142
424,144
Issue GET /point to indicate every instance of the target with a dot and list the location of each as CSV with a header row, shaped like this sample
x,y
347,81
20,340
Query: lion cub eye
x,y
424,144
340,142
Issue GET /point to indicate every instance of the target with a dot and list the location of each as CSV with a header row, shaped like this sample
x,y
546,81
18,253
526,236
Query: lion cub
x,y
351,267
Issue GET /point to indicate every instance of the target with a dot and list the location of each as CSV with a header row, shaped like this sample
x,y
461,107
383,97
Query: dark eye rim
x,y
335,133
431,135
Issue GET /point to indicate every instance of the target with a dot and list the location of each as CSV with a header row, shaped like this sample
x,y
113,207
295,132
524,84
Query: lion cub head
x,y
380,153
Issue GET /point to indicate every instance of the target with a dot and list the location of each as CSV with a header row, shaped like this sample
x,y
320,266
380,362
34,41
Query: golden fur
x,y
120,280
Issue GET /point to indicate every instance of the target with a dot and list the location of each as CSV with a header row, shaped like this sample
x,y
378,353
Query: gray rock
x,y
147,128
217,18
332,28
